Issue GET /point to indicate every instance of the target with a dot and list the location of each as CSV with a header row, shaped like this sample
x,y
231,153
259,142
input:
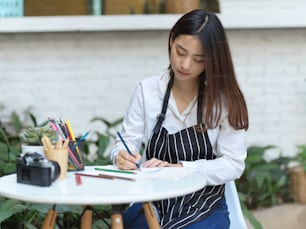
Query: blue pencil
x,y
84,136
127,148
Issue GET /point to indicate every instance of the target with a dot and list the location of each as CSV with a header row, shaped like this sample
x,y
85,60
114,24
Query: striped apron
x,y
189,144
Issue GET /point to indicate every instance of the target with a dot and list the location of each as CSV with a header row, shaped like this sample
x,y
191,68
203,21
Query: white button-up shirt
x,y
227,143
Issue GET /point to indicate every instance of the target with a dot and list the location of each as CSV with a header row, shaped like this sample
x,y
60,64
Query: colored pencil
x,y
127,148
104,176
116,171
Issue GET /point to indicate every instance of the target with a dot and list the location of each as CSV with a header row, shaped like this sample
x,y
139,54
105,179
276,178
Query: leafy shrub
x,y
264,183
33,135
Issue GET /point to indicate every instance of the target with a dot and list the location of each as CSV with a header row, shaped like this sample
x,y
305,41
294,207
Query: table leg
x,y
150,215
49,221
86,220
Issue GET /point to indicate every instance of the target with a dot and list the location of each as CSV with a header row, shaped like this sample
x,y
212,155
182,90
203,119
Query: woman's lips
x,y
183,73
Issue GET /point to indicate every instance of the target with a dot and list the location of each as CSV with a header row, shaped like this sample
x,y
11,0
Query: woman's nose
x,y
186,63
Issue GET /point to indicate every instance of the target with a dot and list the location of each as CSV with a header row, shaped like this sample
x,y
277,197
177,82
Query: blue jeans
x,y
134,218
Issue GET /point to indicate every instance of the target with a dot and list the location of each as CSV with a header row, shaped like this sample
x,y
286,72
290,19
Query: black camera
x,y
35,169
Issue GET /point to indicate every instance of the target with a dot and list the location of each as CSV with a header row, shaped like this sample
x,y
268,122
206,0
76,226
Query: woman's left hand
x,y
154,162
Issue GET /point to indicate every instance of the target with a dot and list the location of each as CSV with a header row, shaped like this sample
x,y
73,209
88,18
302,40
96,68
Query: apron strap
x,y
161,117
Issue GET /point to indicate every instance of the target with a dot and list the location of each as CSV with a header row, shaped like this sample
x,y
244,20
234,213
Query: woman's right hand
x,y
126,161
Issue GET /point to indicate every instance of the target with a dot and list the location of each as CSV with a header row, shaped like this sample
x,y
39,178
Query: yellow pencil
x,y
70,130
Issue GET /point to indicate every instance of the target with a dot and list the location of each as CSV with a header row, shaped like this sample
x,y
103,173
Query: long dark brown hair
x,y
218,81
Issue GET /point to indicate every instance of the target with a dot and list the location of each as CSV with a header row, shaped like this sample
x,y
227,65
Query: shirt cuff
x,y
189,164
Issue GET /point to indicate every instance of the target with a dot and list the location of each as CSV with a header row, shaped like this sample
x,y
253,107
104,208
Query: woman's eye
x,y
179,52
199,60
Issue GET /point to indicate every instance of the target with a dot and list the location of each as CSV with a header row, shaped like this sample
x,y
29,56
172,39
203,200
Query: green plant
x,y
300,157
247,213
19,214
9,144
264,183
103,140
9,208
33,135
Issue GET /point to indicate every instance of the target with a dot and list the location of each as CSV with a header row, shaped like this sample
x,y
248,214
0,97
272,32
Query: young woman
x,y
191,115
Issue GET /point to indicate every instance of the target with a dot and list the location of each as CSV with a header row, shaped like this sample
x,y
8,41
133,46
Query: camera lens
x,y
56,170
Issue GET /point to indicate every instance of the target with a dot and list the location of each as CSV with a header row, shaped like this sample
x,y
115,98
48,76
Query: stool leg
x,y
49,221
116,217
150,215
86,220
116,220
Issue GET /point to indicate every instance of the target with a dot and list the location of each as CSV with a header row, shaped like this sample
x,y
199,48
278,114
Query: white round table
x,y
147,186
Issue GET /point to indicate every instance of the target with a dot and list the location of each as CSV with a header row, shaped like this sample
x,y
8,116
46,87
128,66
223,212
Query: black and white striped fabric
x,y
186,145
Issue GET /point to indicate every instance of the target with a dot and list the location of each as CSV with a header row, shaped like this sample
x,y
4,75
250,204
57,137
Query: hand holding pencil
x,y
127,160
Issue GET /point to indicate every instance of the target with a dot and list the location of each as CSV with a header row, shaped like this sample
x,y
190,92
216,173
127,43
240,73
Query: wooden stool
x,y
86,220
116,217
150,215
50,218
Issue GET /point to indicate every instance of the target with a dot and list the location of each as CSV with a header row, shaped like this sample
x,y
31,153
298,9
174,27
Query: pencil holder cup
x,y
76,155
61,157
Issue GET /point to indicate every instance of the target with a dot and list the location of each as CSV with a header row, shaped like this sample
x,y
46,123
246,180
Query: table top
x,y
149,185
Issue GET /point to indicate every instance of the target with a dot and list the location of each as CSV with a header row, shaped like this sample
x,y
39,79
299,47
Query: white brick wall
x,y
78,76
270,65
